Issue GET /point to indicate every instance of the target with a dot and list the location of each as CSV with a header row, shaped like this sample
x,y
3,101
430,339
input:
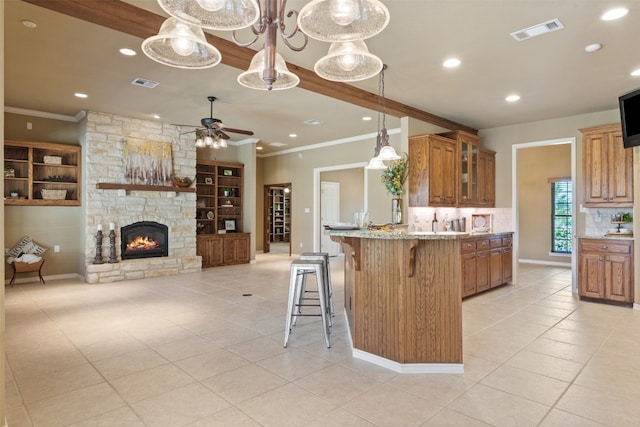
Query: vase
x,y
396,210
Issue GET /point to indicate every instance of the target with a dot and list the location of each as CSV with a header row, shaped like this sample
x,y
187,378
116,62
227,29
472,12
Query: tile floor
x,y
193,350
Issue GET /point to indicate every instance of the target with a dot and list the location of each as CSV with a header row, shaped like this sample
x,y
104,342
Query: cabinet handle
x,y
605,247
600,258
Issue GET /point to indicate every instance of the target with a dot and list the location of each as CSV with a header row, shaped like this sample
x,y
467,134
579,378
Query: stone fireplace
x,y
144,239
174,211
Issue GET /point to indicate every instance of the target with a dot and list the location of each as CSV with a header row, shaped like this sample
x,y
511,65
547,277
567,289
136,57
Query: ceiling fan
x,y
213,127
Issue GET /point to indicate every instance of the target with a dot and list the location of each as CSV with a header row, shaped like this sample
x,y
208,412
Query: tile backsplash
x,y
420,218
598,220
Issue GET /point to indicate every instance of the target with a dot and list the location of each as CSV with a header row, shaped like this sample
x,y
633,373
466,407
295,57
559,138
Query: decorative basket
x,y
53,160
181,182
54,194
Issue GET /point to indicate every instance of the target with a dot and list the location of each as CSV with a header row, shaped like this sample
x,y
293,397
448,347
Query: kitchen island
x,y
403,298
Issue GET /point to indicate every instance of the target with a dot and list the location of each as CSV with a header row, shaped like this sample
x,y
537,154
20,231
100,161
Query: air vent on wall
x,y
537,30
139,81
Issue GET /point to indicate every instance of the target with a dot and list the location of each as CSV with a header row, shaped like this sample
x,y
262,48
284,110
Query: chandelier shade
x,y
343,20
179,44
348,62
253,78
375,163
225,15
388,153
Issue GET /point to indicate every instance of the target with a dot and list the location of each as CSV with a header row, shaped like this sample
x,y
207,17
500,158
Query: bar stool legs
x,y
324,256
297,282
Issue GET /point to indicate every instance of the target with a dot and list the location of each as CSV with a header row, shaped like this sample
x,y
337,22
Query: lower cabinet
x,y
223,249
486,262
605,269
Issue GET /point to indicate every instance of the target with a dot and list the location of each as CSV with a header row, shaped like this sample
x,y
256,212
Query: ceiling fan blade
x,y
240,131
222,135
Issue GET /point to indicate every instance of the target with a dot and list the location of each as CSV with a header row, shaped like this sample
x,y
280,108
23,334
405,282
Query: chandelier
x,y
383,151
343,23
210,138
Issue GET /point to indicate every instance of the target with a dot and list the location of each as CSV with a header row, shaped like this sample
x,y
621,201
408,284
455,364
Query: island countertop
x,y
405,234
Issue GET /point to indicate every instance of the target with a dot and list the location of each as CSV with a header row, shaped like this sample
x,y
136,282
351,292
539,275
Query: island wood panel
x,y
432,307
403,298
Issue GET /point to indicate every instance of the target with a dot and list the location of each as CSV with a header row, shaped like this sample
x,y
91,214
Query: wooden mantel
x,y
140,187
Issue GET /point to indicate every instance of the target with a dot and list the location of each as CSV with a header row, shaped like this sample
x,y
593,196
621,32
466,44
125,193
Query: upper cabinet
x,y
432,164
452,170
607,166
41,174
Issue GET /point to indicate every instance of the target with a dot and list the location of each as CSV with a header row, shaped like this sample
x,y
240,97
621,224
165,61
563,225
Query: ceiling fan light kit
x,y
346,22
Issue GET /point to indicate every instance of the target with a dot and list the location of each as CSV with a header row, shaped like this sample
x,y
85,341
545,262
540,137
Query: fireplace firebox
x,y
144,239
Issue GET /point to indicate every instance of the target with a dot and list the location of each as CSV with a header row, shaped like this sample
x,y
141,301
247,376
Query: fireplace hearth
x,y
144,239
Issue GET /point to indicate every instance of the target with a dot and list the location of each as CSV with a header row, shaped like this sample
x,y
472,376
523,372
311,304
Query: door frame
x,y
316,195
266,232
514,200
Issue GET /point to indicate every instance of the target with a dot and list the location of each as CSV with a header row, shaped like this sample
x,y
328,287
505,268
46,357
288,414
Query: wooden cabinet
x,y
605,269
432,171
485,262
219,192
486,178
223,249
607,166
42,174
279,214
451,170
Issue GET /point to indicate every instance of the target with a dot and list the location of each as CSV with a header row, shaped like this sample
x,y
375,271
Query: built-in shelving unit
x,y
280,214
42,174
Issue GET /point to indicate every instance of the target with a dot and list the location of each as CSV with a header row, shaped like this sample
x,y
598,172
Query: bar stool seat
x,y
297,284
324,256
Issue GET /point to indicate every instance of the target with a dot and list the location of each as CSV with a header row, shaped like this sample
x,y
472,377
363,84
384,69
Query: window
x,y
561,221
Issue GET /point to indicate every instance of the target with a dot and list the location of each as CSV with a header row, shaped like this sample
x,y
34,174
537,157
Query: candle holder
x,y
112,247
98,258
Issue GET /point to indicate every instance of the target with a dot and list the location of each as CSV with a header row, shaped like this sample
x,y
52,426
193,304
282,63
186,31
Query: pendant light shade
x,y
254,77
179,44
388,153
375,163
348,62
222,15
342,20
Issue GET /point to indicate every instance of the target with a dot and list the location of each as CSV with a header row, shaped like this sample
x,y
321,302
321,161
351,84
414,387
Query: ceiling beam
x,y
126,18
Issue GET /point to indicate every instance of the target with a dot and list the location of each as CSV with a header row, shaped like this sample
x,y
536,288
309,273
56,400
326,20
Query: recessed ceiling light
x,y
259,148
367,118
293,135
81,95
29,24
277,144
312,122
512,98
636,73
156,116
613,14
127,52
451,63
593,47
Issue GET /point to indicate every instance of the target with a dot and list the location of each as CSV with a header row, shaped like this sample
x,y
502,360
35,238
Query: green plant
x,y
395,176
627,217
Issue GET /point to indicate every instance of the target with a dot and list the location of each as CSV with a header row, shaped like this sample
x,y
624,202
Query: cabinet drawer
x,y
507,241
483,244
495,243
468,246
606,246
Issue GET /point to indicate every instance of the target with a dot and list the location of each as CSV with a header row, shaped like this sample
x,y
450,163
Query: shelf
x,y
140,187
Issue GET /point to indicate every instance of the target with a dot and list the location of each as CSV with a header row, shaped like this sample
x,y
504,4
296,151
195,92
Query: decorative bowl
x,y
181,182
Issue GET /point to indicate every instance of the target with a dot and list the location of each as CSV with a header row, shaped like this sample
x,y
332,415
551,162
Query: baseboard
x,y
636,307
549,263
35,279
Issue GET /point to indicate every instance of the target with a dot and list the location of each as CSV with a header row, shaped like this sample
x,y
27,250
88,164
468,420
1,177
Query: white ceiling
x,y
552,73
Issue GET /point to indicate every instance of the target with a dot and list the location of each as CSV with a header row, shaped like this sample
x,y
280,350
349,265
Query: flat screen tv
x,y
630,117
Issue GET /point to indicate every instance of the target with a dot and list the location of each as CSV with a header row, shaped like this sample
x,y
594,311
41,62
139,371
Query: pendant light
x,y
383,151
348,61
224,15
260,76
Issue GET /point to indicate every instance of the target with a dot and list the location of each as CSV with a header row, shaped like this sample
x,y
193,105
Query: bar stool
x,y
324,256
297,283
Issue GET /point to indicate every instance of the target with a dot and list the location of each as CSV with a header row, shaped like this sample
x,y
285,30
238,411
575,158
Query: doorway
x,y
329,214
277,218
518,216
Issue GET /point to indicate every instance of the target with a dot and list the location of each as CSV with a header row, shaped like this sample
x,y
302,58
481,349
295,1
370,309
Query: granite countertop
x,y
404,233
607,236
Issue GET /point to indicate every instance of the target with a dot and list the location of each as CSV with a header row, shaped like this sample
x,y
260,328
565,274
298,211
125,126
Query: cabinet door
x,y
418,171
468,265
487,178
591,275
620,185
507,264
482,271
442,166
468,170
495,267
210,249
242,249
618,280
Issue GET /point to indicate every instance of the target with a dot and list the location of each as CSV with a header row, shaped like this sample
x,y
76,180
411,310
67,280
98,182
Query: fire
x,y
141,243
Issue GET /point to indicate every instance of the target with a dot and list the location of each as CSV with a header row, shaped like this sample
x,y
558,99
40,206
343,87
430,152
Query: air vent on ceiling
x,y
537,30
277,144
139,81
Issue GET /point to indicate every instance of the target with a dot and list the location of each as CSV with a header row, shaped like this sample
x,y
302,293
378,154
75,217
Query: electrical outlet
x,y
56,248
300,244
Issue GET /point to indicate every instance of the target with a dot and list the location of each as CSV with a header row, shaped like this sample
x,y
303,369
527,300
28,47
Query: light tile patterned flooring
x,y
191,350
